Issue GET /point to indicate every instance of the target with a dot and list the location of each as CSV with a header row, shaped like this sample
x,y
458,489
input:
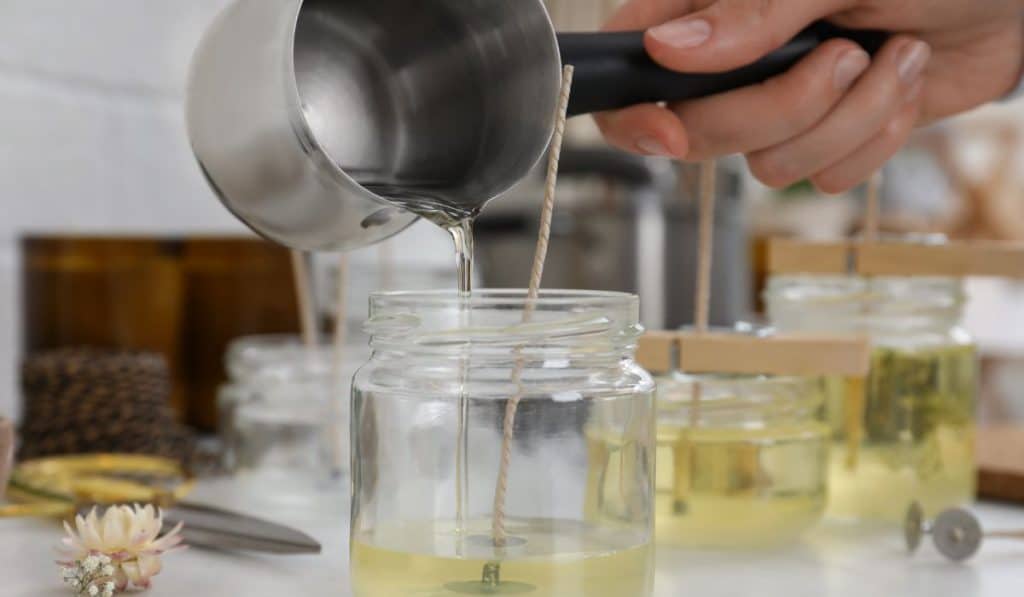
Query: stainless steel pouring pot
x,y
327,124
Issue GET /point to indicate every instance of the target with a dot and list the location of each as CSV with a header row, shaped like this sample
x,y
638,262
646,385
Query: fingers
x,y
641,14
732,33
869,158
784,107
893,81
647,129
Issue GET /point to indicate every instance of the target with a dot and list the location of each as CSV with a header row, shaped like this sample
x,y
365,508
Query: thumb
x,y
728,34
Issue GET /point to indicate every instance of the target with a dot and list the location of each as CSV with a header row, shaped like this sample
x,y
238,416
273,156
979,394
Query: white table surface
x,y
832,561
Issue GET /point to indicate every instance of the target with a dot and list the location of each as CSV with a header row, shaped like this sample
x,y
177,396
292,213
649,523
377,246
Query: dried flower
x,y
87,576
119,549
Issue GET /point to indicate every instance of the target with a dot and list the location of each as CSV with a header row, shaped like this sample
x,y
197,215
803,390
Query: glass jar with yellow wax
x,y
907,432
746,466
466,394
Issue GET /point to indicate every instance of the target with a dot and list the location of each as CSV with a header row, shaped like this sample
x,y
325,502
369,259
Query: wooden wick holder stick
x,y
787,354
956,259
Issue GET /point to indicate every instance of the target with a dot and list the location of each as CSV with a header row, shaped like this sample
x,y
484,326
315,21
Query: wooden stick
x,y
873,212
706,242
337,436
536,274
1002,260
657,352
855,408
955,259
783,354
304,297
705,256
786,256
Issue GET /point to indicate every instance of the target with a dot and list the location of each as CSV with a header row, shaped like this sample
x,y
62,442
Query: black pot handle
x,y
613,70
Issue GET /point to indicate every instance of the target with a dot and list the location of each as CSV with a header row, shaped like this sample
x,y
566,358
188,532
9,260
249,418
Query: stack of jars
x,y
283,415
763,458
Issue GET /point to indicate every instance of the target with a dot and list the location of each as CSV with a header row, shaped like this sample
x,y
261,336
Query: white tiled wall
x,y
92,134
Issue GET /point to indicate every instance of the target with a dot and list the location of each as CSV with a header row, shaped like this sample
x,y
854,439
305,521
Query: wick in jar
x,y
856,390
702,305
492,570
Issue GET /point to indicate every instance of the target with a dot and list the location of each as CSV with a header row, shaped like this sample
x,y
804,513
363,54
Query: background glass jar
x,y
748,468
283,416
907,433
428,413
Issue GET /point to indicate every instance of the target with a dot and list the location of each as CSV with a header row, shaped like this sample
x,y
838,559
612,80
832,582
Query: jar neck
x,y
879,307
736,401
500,326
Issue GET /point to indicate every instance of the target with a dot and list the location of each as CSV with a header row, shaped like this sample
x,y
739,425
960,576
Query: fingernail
x,y
682,33
913,58
849,67
652,146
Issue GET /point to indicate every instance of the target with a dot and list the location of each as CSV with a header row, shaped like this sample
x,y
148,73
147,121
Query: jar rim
x,y
494,297
728,392
884,304
558,320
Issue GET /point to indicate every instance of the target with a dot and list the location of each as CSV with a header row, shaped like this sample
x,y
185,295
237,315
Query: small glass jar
x,y
907,432
244,359
748,468
284,414
429,411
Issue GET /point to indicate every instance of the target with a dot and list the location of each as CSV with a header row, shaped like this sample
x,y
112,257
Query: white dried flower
x,y
93,591
90,563
108,570
126,538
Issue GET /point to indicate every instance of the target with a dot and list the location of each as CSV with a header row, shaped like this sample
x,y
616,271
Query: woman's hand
x,y
837,116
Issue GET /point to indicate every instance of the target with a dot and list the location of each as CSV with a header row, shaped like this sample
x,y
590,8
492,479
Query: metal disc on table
x,y
957,534
490,582
913,527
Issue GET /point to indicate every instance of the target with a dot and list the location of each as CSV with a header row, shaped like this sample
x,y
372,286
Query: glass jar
x,y
748,468
284,414
907,432
244,359
429,410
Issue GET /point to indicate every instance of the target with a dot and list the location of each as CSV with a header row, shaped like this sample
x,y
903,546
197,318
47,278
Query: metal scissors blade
x,y
208,526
